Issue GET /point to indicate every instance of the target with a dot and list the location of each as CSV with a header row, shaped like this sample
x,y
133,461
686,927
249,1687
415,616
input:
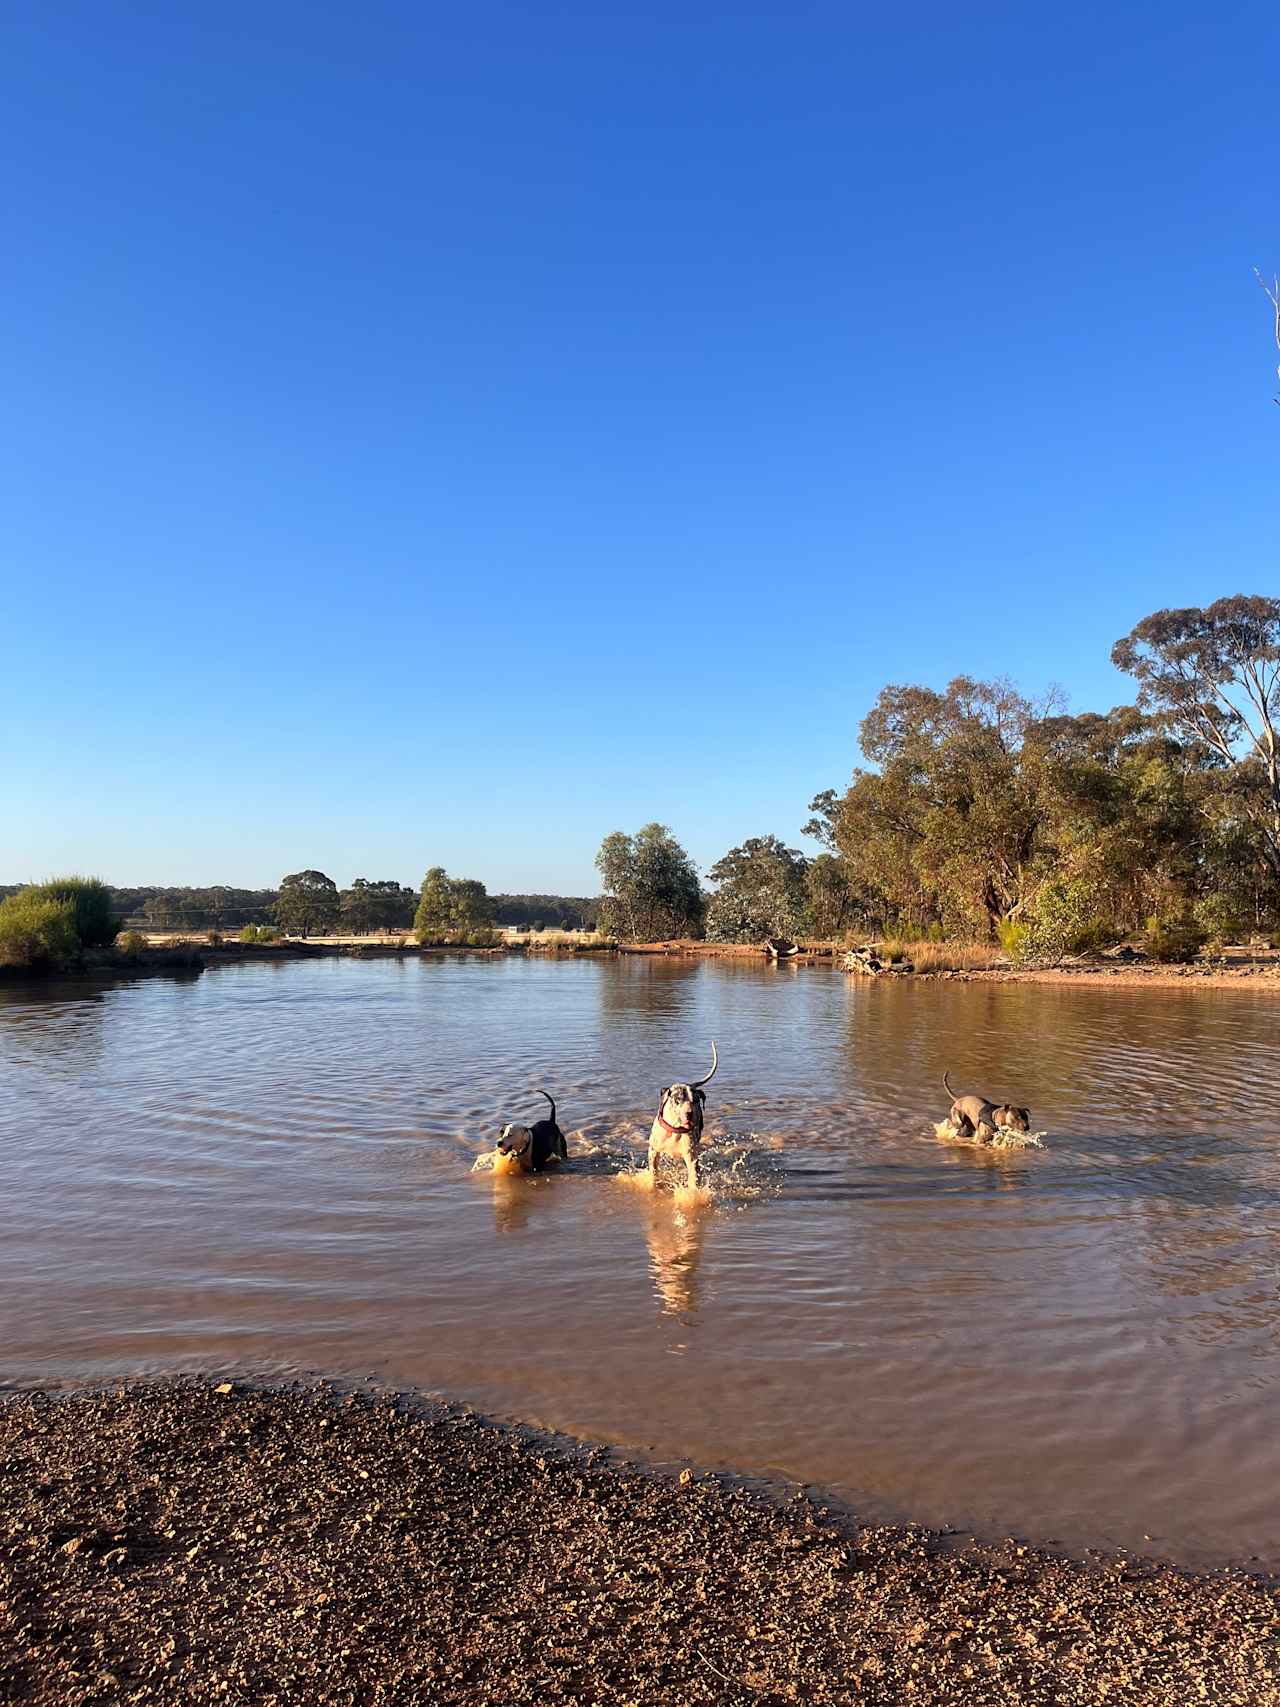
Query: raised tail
x,y
552,1101
715,1062
946,1085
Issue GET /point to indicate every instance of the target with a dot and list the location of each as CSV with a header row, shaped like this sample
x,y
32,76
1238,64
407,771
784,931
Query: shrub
x,y
256,933
1220,919
1174,941
1066,921
36,930
1014,938
96,923
215,939
130,944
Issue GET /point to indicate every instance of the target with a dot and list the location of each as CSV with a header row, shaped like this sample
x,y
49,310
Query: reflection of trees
x,y
650,984
61,1025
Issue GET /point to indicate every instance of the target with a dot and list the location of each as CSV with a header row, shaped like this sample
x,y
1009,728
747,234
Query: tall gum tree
x,y
1213,676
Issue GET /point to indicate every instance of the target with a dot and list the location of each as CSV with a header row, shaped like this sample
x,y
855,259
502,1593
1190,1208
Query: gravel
x,y
183,1542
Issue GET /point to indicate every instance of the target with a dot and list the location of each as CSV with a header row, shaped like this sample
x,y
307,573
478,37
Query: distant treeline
x,y
385,905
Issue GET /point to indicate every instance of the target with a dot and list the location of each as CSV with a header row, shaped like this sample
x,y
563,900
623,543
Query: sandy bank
x,y
178,1544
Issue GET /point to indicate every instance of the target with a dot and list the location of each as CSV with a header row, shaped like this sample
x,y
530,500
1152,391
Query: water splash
x,y
1003,1140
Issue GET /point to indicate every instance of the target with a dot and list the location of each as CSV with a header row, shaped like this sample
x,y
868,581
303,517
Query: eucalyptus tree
x,y
651,886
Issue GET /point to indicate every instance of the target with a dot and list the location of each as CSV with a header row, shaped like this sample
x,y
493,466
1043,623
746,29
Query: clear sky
x,y
443,435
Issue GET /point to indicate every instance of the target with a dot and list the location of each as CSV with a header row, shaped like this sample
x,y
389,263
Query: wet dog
x,y
677,1126
972,1115
533,1148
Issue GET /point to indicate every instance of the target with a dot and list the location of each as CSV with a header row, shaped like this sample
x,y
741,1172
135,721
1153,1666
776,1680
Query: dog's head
x,y
681,1105
1012,1119
516,1142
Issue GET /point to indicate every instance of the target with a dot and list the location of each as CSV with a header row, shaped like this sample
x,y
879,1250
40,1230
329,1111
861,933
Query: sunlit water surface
x,y
269,1167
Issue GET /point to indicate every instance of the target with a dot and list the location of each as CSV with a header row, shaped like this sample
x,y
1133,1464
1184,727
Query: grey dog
x,y
970,1114
534,1147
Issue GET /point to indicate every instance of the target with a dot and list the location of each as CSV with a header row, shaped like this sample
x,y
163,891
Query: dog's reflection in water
x,y
514,1200
674,1224
675,1233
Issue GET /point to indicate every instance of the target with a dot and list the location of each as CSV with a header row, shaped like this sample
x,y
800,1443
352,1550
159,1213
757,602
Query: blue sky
x,y
446,435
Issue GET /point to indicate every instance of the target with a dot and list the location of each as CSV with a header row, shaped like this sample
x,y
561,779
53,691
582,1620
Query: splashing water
x,y
1003,1139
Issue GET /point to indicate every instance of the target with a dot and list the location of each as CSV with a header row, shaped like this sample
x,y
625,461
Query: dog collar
x,y
668,1127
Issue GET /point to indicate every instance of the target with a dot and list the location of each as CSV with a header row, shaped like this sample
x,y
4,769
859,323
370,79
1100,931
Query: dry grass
x,y
554,938
945,956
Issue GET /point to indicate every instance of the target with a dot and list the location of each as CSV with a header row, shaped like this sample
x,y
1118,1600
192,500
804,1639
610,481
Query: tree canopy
x,y
761,891
651,886
450,907
307,903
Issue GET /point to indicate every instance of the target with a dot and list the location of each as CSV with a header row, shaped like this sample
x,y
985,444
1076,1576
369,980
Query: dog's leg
x,y
691,1165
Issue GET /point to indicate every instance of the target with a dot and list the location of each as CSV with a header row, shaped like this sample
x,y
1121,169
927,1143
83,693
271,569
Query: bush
x,y
1066,922
95,919
37,931
1220,918
257,933
1014,938
130,944
1174,941
215,939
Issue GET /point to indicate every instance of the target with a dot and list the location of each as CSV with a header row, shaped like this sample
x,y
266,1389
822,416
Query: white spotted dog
x,y
677,1127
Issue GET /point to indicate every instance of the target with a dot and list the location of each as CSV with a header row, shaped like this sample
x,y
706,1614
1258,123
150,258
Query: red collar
x,y
673,1130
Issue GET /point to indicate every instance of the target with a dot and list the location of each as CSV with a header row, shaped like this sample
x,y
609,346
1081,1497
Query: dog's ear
x,y
1026,1115
700,1097
663,1094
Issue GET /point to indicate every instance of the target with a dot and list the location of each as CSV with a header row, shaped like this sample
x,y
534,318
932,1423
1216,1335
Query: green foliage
x,y
1221,917
761,893
96,922
547,912
37,930
454,910
381,905
1013,937
130,944
1210,676
1065,921
259,933
1174,941
307,903
651,887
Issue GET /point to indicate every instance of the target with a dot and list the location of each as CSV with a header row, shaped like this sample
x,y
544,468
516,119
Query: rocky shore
x,y
194,1543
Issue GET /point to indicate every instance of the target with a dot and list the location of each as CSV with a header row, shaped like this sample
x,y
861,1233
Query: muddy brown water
x,y
268,1168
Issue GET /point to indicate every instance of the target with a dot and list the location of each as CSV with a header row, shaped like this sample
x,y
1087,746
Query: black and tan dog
x,y
677,1126
974,1116
533,1148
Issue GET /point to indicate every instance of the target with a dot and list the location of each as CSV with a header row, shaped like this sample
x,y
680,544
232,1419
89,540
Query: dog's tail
x,y
552,1101
715,1062
946,1085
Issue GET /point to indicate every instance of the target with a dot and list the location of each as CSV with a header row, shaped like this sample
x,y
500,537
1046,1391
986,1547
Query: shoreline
x,y
181,1540
1255,972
